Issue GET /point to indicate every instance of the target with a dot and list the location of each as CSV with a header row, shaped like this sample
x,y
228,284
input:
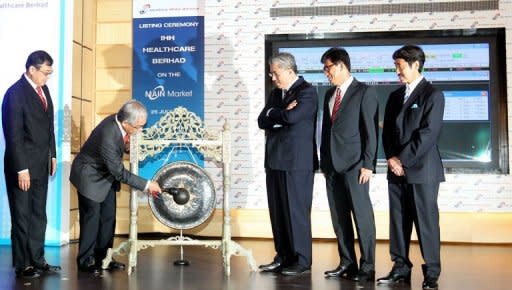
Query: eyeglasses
x,y
328,67
281,72
138,127
273,74
46,73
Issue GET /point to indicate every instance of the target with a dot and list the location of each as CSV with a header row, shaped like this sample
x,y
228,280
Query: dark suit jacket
x,y
411,132
351,141
291,146
28,130
99,165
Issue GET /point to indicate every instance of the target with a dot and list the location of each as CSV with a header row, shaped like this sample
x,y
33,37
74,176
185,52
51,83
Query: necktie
x,y
337,102
41,97
407,93
126,140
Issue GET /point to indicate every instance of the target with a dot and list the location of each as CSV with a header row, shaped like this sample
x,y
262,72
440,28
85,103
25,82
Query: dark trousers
x,y
290,195
415,204
28,221
347,198
97,225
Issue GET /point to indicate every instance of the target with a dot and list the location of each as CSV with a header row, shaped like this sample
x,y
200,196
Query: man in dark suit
x,y
412,125
289,121
27,119
97,172
347,158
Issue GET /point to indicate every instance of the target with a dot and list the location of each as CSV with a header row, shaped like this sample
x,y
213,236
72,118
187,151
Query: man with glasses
x,y
348,155
97,173
27,119
288,119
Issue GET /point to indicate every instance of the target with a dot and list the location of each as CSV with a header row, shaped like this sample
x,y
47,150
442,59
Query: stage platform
x,y
465,267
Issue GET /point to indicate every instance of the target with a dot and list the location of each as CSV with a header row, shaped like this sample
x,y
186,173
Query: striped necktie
x,y
407,93
337,102
42,98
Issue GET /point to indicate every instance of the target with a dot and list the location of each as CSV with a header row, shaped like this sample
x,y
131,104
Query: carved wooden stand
x,y
217,148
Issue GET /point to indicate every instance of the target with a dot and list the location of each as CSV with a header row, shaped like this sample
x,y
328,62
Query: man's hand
x,y
24,180
395,166
54,167
154,189
291,105
364,175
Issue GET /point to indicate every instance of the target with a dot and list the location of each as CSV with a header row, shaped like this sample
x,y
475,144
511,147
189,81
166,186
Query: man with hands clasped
x,y
412,126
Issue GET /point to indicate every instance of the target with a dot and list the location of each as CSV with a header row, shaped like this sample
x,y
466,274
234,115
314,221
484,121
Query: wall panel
x,y
113,11
89,23
114,33
83,90
113,56
75,124
77,20
76,90
113,79
88,74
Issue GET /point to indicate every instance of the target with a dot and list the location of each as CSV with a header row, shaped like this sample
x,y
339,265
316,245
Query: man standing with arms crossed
x,y
412,126
289,121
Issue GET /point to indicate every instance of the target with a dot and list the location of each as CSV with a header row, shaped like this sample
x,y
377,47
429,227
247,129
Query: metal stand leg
x,y
181,261
229,247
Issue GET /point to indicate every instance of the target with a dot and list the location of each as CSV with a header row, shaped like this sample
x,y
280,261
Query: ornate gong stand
x,y
181,128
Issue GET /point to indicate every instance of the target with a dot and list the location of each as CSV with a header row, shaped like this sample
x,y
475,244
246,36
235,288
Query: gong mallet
x,y
179,194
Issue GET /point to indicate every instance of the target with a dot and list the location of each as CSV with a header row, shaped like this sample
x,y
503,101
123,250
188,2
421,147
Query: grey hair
x,y
132,111
284,60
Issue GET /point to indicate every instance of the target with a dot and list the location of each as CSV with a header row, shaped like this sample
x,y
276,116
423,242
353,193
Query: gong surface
x,y
202,196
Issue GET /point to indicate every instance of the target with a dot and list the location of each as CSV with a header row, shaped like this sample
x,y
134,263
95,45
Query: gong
x,y
188,196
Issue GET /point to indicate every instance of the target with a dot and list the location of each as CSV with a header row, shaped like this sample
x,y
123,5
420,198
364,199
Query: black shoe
x,y
89,269
346,271
430,283
294,270
28,273
115,265
364,276
271,267
394,277
45,268
89,266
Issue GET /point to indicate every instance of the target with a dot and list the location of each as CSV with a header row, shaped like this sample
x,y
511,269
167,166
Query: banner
x,y
51,31
168,67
